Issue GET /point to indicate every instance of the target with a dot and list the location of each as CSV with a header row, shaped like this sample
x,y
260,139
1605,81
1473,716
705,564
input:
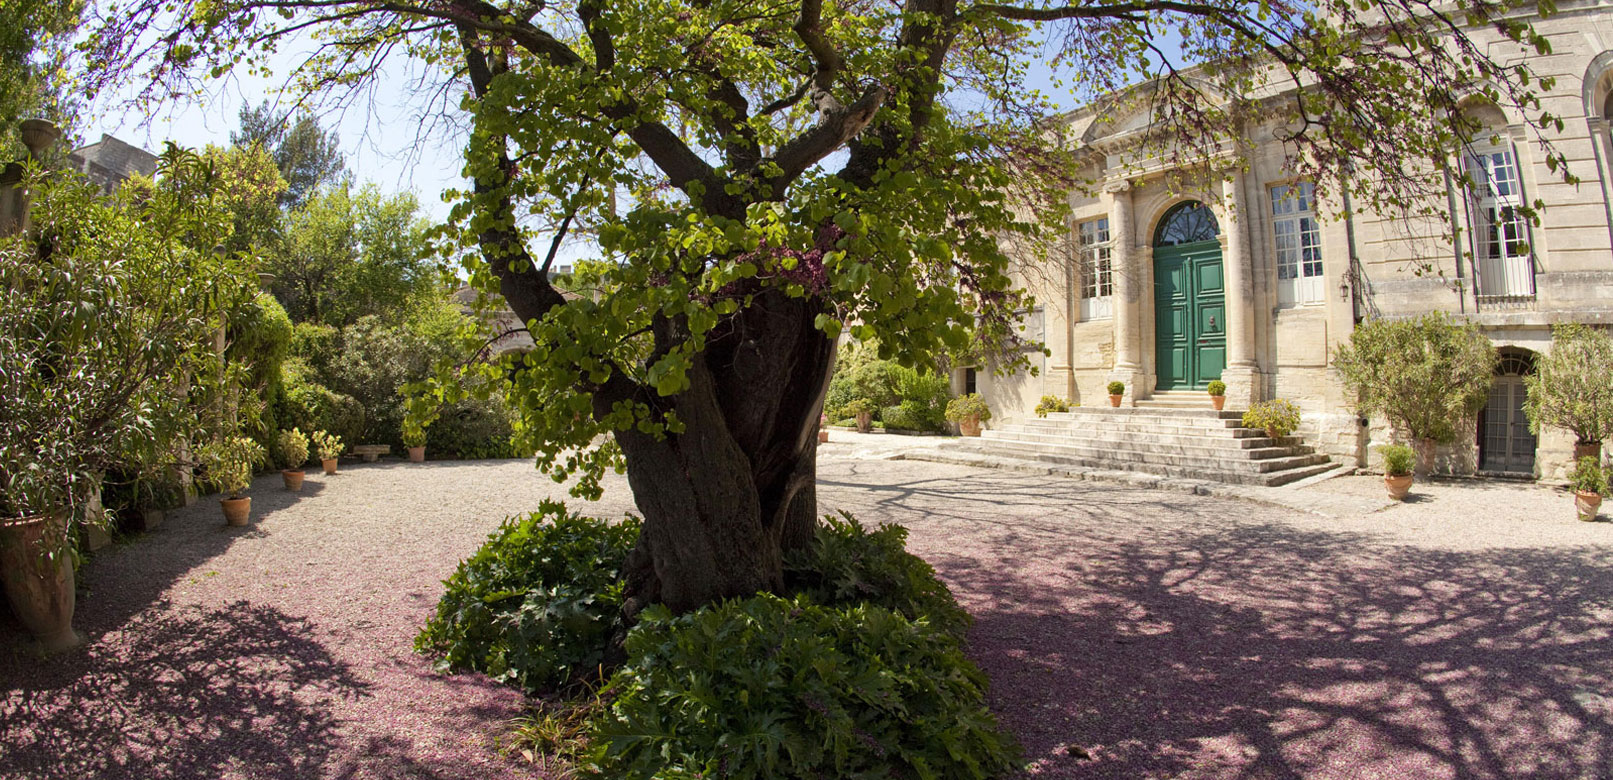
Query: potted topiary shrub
x,y
1218,394
293,446
328,447
1117,390
1278,417
823,429
229,466
863,410
968,411
414,438
1397,467
1051,403
1588,483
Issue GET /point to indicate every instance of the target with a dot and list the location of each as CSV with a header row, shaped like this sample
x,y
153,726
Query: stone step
x,y
1255,440
1111,412
1187,425
1211,458
1318,464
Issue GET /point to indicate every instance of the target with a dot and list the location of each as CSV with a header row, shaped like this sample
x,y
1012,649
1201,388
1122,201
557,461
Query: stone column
x,y
1128,292
1241,373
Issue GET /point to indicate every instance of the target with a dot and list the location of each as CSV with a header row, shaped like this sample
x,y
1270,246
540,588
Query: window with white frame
x,y
1097,273
1298,239
1497,229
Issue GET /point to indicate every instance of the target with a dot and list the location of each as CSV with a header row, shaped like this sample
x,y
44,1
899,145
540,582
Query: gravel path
x,y
1147,634
278,651
1128,633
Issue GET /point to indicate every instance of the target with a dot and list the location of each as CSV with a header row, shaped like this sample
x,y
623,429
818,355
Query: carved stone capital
x,y
1117,186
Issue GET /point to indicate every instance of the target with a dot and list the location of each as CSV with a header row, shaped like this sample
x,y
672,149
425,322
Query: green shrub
x,y
911,416
1278,416
848,564
474,429
1117,388
1217,387
874,380
309,405
1424,375
326,445
1587,476
969,406
229,463
1396,460
1051,403
769,687
537,604
860,406
292,448
1572,385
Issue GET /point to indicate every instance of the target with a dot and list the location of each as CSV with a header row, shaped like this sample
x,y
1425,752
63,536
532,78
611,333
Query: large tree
x,y
308,155
761,174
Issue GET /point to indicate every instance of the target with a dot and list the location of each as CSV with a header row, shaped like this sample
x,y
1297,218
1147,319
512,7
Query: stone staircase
x,y
1174,441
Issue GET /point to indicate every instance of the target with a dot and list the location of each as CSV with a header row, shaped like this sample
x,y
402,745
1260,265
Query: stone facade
x,y
1295,281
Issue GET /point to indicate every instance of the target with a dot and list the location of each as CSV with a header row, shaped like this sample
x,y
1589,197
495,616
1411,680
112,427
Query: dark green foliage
x,y
473,429
874,380
310,406
912,416
848,564
537,603
259,336
769,687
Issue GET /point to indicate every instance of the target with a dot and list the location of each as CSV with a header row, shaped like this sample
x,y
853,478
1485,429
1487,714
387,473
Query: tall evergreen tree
x,y
309,156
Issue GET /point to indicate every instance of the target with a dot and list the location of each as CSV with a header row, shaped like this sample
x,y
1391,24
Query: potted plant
x,y
1117,390
414,438
1397,467
1588,483
1278,417
229,466
863,410
1572,387
968,411
1218,394
293,446
1051,403
823,429
328,447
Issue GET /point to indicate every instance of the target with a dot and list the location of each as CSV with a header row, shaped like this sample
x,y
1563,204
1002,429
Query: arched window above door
x,y
1187,223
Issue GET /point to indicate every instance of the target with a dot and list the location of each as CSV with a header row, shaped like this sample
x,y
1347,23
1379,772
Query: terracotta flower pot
x,y
1114,400
42,592
417,454
293,479
1587,505
1218,401
969,426
1398,486
823,436
1273,433
236,510
329,464
865,422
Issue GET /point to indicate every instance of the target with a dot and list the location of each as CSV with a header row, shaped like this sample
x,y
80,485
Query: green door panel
x,y
1190,345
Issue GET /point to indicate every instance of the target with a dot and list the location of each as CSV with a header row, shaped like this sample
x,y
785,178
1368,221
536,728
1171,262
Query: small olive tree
x,y
1572,386
1424,375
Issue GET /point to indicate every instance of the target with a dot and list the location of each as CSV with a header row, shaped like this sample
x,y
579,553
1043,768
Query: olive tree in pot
x,y
1572,387
1425,375
230,463
107,317
968,411
293,446
1218,394
1589,483
863,410
1397,478
1117,391
328,447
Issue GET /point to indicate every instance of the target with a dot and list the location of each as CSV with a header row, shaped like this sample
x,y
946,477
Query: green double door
x,y
1190,333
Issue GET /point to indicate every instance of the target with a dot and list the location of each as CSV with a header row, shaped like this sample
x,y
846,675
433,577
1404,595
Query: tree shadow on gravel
x,y
187,692
1264,651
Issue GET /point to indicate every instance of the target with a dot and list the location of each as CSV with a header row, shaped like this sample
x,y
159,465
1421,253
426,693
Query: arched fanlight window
x,y
1515,363
1186,223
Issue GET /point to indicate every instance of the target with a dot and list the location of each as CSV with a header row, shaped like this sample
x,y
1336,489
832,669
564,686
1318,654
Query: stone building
x,y
1250,281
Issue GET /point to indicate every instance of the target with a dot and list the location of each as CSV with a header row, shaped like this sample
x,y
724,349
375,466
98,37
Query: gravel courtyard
x,y
1128,633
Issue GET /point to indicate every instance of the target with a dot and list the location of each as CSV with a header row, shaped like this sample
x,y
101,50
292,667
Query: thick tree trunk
x,y
724,500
